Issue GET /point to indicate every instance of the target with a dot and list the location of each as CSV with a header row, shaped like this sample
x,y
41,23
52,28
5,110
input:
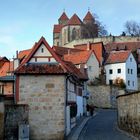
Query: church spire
x,y
63,18
89,17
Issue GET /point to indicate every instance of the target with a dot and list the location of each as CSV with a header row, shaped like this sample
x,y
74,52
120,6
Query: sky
x,y
23,22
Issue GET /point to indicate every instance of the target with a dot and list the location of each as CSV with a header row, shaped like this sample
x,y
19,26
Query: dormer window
x,y
42,50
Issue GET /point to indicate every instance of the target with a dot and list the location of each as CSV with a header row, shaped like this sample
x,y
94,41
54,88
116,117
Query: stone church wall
x,y
105,40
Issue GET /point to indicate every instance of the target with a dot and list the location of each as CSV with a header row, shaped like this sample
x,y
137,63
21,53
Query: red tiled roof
x,y
24,53
57,28
88,16
41,69
63,16
4,69
7,67
63,50
117,57
11,66
74,20
49,68
122,46
78,57
96,47
3,60
76,71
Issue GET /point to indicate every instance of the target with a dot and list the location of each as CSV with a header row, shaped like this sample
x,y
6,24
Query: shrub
x,y
119,82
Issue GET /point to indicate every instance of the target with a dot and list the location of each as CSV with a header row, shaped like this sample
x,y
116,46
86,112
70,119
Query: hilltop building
x,y
68,30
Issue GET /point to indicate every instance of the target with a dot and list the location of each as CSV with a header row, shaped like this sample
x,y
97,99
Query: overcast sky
x,y
23,22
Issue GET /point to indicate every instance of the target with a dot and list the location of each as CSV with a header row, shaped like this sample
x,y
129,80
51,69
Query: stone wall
x,y
129,113
105,40
100,96
45,96
14,115
1,117
104,96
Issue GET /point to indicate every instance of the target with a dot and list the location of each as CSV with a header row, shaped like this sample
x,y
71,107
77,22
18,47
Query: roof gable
x,y
88,17
63,16
61,67
74,20
36,48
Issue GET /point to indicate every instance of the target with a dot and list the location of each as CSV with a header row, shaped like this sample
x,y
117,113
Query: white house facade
x,y
122,64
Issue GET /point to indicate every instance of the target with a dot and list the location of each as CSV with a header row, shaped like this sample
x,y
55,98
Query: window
x,y
73,34
90,68
133,83
119,70
42,50
128,83
130,59
131,71
110,82
128,70
35,59
110,71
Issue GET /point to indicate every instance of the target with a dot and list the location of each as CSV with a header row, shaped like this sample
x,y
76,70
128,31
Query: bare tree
x,y
93,29
132,28
89,30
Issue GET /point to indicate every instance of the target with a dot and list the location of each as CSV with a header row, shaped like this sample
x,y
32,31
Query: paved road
x,y
103,127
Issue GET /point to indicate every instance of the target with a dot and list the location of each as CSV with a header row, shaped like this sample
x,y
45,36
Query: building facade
x,y
50,87
121,65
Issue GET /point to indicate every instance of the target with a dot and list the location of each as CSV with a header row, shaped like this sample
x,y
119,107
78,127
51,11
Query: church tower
x,y
63,19
72,30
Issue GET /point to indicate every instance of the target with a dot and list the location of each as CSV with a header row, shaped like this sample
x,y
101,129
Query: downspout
x,y
66,102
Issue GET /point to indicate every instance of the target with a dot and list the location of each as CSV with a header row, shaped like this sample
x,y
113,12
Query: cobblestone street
x,y
103,127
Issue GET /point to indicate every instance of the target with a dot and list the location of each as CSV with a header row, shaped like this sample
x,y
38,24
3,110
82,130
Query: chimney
x,y
16,61
17,54
83,69
68,51
88,46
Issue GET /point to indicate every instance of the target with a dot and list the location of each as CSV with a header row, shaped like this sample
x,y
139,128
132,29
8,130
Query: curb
x,y
78,130
125,132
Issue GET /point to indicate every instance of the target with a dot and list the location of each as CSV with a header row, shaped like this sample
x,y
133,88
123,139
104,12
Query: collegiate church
x,y
68,30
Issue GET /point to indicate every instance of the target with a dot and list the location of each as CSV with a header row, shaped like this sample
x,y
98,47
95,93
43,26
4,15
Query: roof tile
x,y
97,48
117,57
88,17
74,20
78,57
122,46
63,50
63,16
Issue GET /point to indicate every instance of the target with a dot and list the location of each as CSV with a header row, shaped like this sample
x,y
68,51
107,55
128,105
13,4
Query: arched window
x,y
73,34
64,36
